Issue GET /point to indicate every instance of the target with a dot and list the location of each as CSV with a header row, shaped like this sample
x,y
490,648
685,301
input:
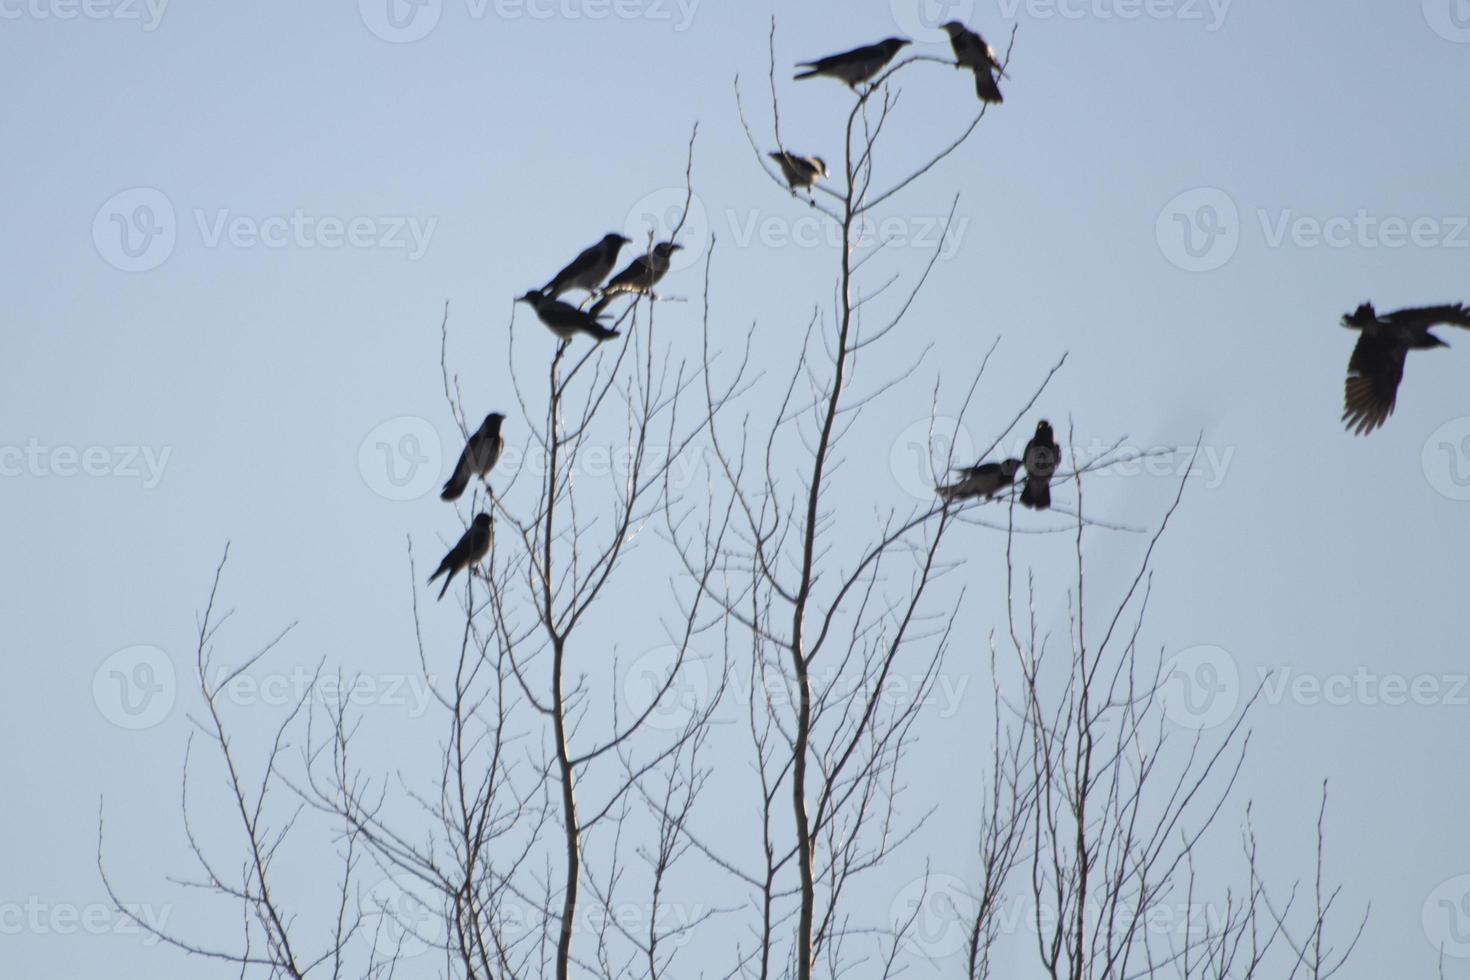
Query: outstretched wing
x,y
1455,315
1374,373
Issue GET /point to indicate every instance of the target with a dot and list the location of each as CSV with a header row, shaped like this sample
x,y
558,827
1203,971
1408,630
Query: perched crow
x,y
1040,459
479,456
800,172
564,319
1377,364
587,270
971,51
982,480
641,275
472,547
857,65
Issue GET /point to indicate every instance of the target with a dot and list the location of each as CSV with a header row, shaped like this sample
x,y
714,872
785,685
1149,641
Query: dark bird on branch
x,y
587,270
1040,459
800,172
641,275
971,51
479,456
982,480
855,66
473,546
564,319
1377,364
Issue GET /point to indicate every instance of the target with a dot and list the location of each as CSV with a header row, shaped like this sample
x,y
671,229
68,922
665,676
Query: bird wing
x,y
1374,373
634,274
578,265
1454,314
454,487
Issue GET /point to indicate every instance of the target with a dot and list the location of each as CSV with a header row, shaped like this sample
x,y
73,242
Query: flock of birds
x,y
1374,371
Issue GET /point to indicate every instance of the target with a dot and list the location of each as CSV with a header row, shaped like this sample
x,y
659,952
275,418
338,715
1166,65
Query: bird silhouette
x,y
472,546
855,66
1040,459
1377,364
477,459
587,270
800,172
564,319
981,480
640,276
971,51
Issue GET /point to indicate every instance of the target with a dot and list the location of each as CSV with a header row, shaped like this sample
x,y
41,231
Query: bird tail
x,y
596,308
951,492
987,88
602,333
454,486
1036,494
812,73
447,580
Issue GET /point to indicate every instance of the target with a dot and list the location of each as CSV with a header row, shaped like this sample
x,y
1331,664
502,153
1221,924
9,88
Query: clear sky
x,y
231,231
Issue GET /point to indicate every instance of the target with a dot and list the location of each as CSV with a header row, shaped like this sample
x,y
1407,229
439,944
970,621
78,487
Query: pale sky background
x,y
233,390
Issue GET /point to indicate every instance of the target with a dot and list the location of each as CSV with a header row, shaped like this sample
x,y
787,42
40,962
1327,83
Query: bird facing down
x,y
564,319
472,546
857,65
982,480
1377,364
799,171
1040,459
971,51
641,275
588,270
479,456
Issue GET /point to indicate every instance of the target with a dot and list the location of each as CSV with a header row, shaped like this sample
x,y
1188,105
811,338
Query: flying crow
x,y
1377,364
471,548
479,456
857,65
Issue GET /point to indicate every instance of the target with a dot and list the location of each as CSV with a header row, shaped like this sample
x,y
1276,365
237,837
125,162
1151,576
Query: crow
x,y
800,172
982,479
857,65
641,275
587,270
1040,459
564,319
479,456
1377,364
971,51
471,548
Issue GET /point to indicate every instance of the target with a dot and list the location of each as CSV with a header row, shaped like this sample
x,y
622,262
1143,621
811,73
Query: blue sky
x,y
1182,197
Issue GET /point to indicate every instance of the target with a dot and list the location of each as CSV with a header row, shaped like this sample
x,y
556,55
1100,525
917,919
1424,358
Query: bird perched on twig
x,y
1040,459
971,51
479,456
1377,364
588,270
982,480
564,319
800,172
641,275
472,546
855,66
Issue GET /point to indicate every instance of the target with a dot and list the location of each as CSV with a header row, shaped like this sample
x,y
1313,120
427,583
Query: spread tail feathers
x,y
1036,494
